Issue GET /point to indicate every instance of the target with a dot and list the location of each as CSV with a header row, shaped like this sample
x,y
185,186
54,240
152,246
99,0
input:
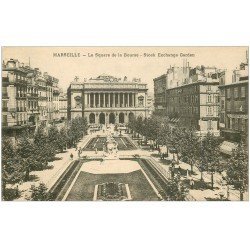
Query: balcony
x,y
21,95
18,109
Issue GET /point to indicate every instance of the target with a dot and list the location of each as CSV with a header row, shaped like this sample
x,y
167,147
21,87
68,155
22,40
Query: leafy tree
x,y
26,151
40,137
139,126
189,147
12,173
175,190
53,136
8,151
45,149
208,156
39,193
62,139
237,170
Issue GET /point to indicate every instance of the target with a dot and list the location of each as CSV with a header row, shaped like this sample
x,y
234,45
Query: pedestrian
x,y
192,183
71,156
96,150
17,191
159,151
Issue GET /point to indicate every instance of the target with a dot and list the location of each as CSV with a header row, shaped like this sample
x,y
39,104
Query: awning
x,y
227,147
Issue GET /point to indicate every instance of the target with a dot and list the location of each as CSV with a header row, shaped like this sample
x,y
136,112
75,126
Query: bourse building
x,y
107,99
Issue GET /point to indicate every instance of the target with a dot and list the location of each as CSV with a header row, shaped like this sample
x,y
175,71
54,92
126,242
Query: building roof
x,y
234,84
193,84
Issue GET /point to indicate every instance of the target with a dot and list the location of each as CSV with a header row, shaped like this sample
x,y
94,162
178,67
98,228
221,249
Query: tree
x,y
40,137
189,147
139,125
237,170
175,190
77,127
208,156
44,148
211,155
26,151
12,168
39,193
53,136
62,139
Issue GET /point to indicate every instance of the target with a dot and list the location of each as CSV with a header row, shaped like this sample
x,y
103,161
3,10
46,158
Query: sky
x,y
140,64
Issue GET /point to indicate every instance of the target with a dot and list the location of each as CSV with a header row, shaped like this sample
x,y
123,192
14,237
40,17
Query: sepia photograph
x,y
125,123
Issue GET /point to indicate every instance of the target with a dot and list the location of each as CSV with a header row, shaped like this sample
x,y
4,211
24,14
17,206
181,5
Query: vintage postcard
x,y
124,124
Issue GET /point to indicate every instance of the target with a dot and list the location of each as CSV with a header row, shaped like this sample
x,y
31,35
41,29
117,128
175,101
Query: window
x,y
217,98
222,104
243,91
228,94
236,92
228,106
209,110
209,98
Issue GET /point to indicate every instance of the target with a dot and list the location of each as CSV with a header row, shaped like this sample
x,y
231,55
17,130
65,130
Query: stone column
x,y
109,99
119,104
99,101
94,101
85,100
113,100
128,99
133,100
123,104
88,100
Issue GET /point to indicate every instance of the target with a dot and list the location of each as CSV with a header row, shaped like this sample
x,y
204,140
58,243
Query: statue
x,y
110,147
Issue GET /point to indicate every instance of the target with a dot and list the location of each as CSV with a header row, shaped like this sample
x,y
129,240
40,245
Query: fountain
x,y
110,148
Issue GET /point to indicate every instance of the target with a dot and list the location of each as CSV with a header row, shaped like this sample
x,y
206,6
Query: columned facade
x,y
115,100
108,100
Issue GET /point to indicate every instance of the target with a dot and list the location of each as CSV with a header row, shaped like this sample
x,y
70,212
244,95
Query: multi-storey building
x,y
192,97
63,104
14,96
160,86
234,106
32,96
27,97
195,106
50,81
56,107
42,97
106,99
175,76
